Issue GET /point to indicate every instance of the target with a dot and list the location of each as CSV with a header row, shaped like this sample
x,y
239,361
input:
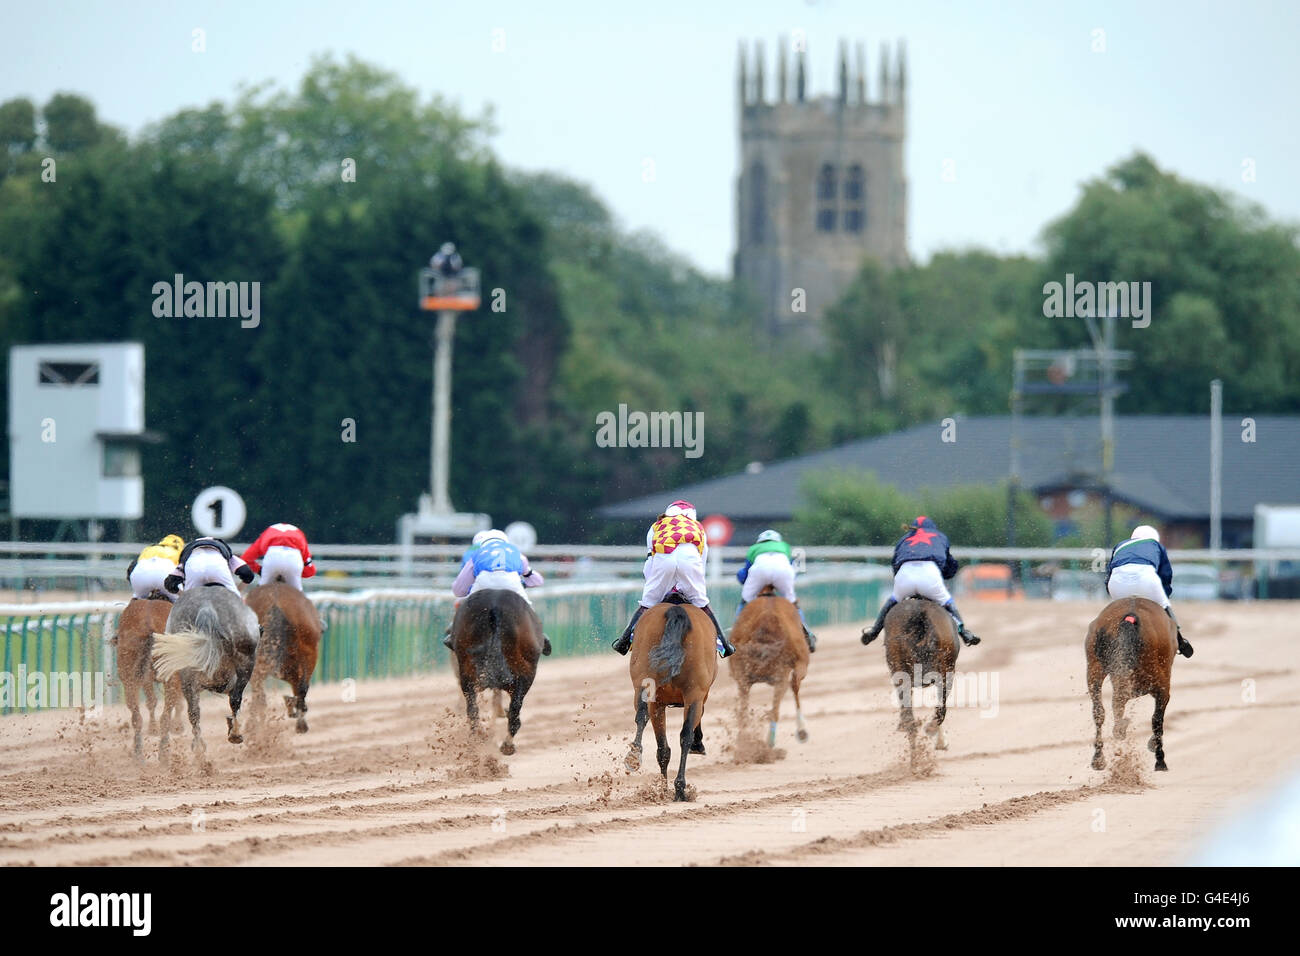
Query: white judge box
x,y
76,421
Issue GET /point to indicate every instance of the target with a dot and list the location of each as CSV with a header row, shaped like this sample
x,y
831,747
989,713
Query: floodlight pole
x,y
440,447
1216,468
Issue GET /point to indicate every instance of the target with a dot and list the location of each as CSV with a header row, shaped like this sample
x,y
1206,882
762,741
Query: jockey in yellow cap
x,y
150,569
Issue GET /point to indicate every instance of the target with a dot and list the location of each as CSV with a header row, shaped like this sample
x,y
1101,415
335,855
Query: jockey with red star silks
x,y
676,547
921,563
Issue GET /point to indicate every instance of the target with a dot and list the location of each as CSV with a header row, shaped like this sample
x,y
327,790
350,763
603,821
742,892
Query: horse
x,y
921,644
497,641
211,643
290,644
133,639
673,663
770,649
1133,642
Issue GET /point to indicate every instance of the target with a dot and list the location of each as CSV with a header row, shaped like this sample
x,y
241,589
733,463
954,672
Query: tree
x,y
70,124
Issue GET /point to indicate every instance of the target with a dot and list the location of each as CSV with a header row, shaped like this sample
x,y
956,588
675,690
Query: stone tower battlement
x,y
821,184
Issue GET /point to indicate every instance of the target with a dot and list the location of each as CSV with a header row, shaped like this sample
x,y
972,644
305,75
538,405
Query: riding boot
x,y
807,634
871,633
546,646
739,607
968,637
1184,648
725,647
624,643
446,638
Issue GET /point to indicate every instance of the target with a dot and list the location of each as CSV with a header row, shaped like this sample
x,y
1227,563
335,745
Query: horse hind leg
x,y
633,759
663,753
132,694
513,723
1157,742
471,705
802,732
1119,698
689,724
935,727
1098,719
192,704
151,701
296,704
778,691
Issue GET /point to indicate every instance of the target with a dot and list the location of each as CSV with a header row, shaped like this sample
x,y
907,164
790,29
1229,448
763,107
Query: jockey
x,y
676,546
208,561
921,563
768,562
1139,567
148,572
493,562
281,552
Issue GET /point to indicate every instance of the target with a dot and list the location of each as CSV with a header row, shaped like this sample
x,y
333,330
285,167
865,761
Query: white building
x,y
76,420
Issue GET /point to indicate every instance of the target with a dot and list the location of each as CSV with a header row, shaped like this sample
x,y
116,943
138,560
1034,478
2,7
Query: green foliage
x,y
856,508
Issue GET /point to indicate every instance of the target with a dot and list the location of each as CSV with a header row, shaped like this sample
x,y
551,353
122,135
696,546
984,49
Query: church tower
x,y
821,184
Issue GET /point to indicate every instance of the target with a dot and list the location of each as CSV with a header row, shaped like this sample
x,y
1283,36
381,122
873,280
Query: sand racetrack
x,y
391,778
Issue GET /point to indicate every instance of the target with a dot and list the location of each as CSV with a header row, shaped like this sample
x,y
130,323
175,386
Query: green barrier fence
x,y
385,634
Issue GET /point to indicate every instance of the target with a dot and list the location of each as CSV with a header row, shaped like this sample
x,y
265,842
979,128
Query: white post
x,y
440,452
1216,467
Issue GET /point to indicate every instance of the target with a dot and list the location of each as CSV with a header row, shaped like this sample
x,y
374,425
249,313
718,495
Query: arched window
x,y
855,200
826,196
757,203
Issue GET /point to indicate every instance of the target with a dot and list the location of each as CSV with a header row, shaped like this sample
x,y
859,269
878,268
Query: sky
x,y
1012,105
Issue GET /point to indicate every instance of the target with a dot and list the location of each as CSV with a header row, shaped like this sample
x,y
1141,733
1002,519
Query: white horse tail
x,y
198,648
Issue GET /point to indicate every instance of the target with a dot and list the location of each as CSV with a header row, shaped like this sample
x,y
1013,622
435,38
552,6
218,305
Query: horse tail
x,y
276,631
1121,650
668,656
198,648
489,653
917,629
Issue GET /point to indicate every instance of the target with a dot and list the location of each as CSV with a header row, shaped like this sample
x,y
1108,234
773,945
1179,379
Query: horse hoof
x,y
236,738
679,793
507,747
633,759
802,735
698,749
1152,745
1098,763
1161,765
300,726
941,744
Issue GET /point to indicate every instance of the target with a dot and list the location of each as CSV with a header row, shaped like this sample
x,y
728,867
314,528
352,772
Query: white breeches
x,y
920,578
282,562
1137,580
206,566
505,580
769,568
683,569
148,575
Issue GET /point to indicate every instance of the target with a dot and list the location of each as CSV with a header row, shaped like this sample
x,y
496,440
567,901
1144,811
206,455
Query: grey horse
x,y
211,642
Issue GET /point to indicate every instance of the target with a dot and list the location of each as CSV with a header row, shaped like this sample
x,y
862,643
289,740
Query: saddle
x,y
674,597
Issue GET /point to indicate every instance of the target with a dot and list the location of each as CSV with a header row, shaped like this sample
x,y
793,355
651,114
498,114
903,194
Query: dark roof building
x,y
1162,467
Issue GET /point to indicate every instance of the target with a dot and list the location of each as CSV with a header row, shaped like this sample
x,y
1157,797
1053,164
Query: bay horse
x,y
210,642
496,641
673,663
290,644
133,638
921,645
1133,642
770,649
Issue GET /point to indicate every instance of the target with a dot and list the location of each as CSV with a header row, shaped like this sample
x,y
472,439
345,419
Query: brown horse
x,y
290,644
134,642
921,646
673,663
770,649
1133,642
497,641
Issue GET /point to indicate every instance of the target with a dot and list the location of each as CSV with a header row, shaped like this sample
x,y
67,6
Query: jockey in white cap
x,y
768,562
1139,567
